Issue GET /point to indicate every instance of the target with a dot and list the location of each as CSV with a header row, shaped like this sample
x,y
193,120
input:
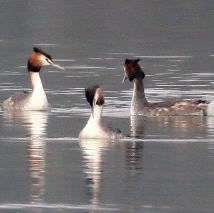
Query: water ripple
x,y
89,67
164,56
56,206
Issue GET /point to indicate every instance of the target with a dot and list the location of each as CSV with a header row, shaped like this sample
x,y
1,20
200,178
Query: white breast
x,y
36,100
94,129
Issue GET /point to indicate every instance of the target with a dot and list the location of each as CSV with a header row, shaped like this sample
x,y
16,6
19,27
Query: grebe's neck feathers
x,y
39,59
135,74
139,100
133,70
36,82
94,96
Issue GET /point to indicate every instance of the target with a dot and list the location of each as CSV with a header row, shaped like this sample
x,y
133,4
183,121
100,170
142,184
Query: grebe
x,y
94,127
140,105
37,99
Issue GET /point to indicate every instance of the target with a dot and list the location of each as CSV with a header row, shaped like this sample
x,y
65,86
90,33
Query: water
x,y
168,163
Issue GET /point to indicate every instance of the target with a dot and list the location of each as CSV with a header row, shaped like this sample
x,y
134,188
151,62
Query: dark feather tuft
x,y
133,69
201,102
90,93
100,101
38,50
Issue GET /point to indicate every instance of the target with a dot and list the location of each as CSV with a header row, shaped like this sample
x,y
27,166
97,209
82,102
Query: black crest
x,y
132,61
38,50
90,93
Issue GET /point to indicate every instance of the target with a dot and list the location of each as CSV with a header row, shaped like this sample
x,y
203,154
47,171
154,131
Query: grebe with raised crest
x,y
37,99
140,105
95,127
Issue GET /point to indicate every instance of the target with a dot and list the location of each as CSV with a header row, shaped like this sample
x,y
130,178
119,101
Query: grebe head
x,y
39,59
133,70
94,96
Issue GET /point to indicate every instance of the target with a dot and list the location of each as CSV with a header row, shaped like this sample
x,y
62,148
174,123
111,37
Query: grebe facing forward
x,y
140,105
37,99
95,127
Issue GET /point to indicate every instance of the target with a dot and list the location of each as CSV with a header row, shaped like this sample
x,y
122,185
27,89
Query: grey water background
x,y
168,163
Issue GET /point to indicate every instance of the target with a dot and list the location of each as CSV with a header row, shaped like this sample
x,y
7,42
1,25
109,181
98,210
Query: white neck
x,y
138,98
94,128
36,82
95,116
38,99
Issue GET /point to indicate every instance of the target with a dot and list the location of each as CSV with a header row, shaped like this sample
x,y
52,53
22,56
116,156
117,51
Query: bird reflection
x,y
134,155
210,127
93,151
166,127
176,126
137,126
35,123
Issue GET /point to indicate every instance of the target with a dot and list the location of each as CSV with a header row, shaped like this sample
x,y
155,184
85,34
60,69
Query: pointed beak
x,y
125,75
94,103
57,66
124,78
92,112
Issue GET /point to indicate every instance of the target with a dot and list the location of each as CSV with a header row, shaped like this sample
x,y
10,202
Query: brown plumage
x,y
183,107
133,70
34,61
94,93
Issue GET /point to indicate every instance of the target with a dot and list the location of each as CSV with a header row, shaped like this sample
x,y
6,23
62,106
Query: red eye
x,y
48,60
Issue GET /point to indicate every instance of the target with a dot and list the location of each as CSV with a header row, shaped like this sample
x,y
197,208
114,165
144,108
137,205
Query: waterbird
x,y
95,128
140,105
37,99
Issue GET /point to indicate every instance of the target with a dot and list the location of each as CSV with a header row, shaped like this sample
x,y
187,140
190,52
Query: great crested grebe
x,y
140,105
95,127
37,99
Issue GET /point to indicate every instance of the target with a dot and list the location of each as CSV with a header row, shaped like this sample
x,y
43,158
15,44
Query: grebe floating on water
x,y
95,127
37,99
140,105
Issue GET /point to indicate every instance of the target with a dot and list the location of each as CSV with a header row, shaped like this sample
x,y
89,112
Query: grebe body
x,y
140,104
37,99
95,128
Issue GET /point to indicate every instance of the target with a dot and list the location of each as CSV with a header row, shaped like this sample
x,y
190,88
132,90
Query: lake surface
x,y
167,163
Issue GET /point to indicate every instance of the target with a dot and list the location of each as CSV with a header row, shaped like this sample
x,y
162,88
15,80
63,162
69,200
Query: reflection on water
x,y
134,155
175,126
137,126
93,151
35,123
156,168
